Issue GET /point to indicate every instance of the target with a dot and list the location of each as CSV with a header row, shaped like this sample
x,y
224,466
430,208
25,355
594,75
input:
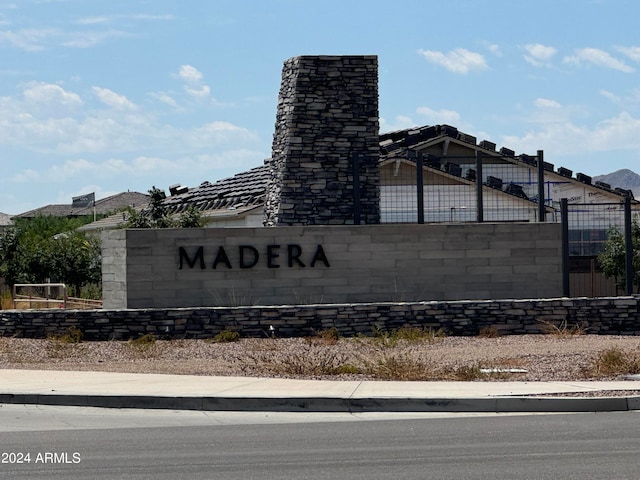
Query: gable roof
x,y
404,144
103,206
242,191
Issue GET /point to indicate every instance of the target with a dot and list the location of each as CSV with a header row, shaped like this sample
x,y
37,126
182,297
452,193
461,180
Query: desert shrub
x,y
408,334
330,336
615,361
226,336
563,329
146,339
144,346
490,331
71,335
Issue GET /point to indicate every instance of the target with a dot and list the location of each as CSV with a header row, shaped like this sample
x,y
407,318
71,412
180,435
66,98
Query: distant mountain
x,y
622,179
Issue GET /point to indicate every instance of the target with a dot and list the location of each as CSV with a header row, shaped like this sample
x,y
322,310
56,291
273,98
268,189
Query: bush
x,y
146,339
226,336
615,362
329,336
408,334
71,335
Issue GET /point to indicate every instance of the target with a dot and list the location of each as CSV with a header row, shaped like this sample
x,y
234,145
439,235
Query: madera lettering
x,y
249,256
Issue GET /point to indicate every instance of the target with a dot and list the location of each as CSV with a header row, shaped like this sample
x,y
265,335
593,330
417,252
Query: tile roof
x,y
246,189
103,206
402,144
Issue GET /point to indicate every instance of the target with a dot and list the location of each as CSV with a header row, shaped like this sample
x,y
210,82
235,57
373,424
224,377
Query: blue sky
x,y
107,96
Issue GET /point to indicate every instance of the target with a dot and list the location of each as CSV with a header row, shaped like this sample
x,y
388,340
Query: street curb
x,y
518,404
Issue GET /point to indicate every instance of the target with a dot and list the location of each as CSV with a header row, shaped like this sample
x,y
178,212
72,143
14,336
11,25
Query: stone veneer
x,y
327,113
605,316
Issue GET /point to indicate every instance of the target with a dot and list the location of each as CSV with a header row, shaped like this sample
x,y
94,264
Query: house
x,y
5,220
87,205
236,201
450,184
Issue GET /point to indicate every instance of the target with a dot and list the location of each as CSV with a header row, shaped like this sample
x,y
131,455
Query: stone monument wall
x,y
327,119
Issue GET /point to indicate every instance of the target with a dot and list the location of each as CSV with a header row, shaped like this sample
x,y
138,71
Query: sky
x,y
108,96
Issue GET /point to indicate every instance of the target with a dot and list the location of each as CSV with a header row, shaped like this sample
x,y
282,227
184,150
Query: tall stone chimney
x,y
326,136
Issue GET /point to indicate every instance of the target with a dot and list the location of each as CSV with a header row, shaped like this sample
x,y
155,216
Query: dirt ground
x,y
508,358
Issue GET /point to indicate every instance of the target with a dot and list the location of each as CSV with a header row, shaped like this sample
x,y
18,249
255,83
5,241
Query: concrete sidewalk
x,y
189,392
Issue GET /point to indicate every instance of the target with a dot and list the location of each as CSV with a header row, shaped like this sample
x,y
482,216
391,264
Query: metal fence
x,y
587,227
424,188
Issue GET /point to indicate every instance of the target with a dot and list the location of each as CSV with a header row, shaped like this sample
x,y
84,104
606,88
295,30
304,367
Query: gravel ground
x,y
509,358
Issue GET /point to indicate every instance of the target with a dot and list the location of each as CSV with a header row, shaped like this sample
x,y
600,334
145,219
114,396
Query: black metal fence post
x,y
628,247
479,199
420,186
541,202
564,218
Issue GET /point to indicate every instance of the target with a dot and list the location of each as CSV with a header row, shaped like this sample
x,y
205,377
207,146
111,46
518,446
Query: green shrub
x,y
226,336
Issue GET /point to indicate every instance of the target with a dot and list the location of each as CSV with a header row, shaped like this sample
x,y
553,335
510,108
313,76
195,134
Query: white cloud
x,y
165,98
621,132
194,85
70,168
539,55
546,103
90,38
610,96
445,116
41,39
111,18
26,176
202,91
190,74
459,60
50,93
401,122
28,39
114,100
163,170
93,20
495,49
599,58
147,16
219,132
632,52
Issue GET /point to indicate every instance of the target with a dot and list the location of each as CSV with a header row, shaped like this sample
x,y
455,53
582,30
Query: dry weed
x,y
615,362
563,329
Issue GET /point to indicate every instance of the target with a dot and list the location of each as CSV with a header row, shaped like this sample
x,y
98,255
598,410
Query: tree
x,y
156,215
50,249
76,260
612,258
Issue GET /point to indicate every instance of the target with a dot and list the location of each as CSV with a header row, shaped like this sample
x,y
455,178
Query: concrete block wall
x,y
367,263
114,269
599,316
327,112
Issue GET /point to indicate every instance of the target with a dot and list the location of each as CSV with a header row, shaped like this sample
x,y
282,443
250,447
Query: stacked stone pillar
x,y
327,116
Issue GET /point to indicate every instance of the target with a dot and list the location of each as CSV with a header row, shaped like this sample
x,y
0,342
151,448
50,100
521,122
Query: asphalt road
x,y
151,445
